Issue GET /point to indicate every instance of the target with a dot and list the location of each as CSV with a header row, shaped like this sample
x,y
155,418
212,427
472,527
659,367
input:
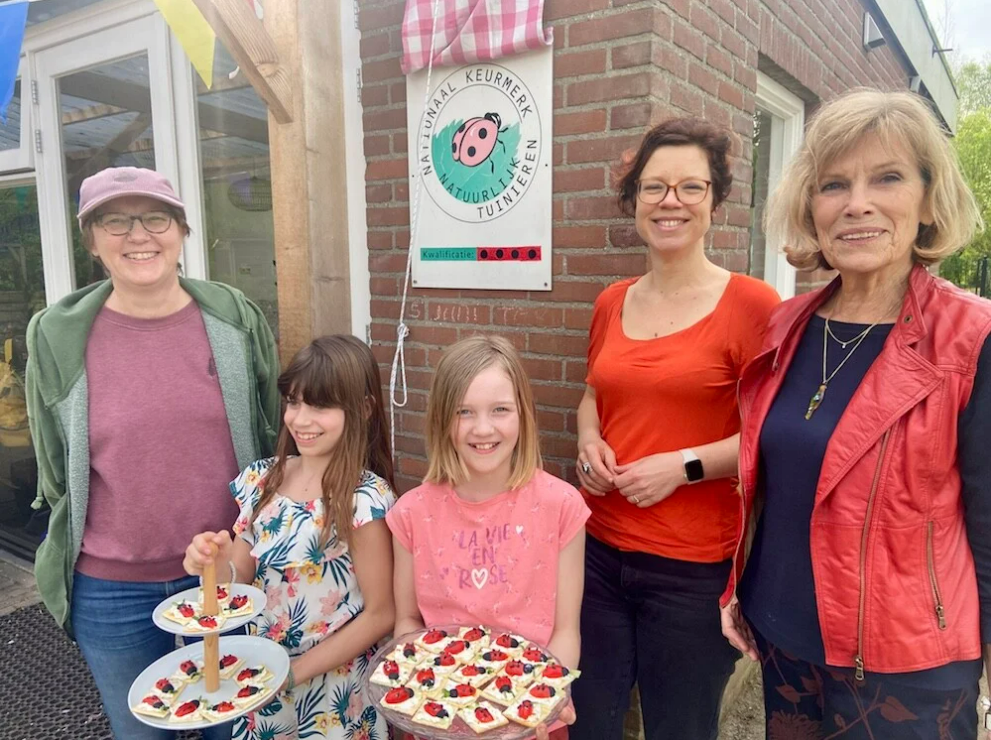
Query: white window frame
x,y
354,136
22,158
787,125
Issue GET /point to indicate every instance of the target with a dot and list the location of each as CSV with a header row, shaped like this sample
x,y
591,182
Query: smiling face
x,y
487,427
138,259
315,430
671,225
868,207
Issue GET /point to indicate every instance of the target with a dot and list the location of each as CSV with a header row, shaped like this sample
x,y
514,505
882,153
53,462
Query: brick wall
x,y
619,65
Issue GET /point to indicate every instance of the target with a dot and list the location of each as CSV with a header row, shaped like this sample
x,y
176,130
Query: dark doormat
x,y
46,691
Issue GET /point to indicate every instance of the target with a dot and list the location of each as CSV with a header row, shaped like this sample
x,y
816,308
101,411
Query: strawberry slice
x,y
525,710
516,668
504,684
483,715
462,690
398,695
507,641
248,691
247,673
189,668
237,602
188,708
224,706
435,710
425,677
186,610
155,702
445,660
434,636
456,647
227,661
542,691
474,634
555,670
221,593
409,650
535,655
472,670
495,656
391,670
207,622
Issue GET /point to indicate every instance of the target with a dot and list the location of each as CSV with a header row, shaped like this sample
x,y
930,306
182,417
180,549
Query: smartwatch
x,y
693,466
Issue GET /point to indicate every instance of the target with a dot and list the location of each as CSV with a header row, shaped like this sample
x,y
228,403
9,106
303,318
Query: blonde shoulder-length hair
x,y
457,368
837,128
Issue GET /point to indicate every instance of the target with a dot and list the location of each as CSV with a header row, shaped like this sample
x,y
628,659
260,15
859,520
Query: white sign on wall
x,y
480,152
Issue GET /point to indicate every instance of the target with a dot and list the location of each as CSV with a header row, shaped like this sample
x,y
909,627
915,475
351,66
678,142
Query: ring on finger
x,y
636,499
586,468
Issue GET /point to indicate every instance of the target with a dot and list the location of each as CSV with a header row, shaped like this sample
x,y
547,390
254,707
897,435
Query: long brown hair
x,y
337,371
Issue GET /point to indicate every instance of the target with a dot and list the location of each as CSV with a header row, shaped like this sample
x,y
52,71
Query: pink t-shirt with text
x,y
494,562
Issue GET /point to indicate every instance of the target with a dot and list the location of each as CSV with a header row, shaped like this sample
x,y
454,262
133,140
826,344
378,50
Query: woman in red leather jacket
x,y
866,594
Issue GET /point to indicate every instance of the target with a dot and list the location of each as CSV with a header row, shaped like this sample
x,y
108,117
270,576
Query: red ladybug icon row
x,y
508,254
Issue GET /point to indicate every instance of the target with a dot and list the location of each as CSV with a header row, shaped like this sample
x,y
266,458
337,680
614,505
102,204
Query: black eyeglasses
x,y
689,192
118,224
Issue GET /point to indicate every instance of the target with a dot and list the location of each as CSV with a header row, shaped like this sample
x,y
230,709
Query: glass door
x,y
104,101
22,294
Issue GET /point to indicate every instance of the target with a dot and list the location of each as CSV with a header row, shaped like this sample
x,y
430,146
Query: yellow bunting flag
x,y
194,33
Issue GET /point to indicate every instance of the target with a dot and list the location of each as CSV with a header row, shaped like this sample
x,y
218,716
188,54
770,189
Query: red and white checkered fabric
x,y
471,31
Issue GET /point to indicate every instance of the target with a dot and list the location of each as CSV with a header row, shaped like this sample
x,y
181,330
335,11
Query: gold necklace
x,y
820,393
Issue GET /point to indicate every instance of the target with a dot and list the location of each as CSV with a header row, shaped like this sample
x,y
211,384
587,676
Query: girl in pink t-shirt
x,y
489,537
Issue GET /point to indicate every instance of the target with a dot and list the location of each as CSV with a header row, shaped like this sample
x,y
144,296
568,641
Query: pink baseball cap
x,y
117,182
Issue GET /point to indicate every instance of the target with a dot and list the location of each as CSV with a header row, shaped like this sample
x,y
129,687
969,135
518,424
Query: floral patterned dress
x,y
311,591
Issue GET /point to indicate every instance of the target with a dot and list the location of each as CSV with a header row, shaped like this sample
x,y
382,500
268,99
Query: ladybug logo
x,y
476,139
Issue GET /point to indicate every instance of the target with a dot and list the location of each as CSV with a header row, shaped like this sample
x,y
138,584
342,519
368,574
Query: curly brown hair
x,y
714,140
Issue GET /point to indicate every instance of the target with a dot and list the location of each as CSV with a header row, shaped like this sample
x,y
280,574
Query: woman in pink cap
x,y
147,393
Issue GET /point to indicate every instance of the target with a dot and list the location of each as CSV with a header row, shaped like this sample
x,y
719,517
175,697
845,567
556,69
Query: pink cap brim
x,y
97,202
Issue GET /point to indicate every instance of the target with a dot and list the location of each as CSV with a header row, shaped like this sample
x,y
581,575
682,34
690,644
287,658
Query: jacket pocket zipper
x,y
859,657
931,563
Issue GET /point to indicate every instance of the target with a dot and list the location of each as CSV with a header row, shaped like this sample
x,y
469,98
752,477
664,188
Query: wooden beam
x,y
90,114
117,145
248,42
312,259
222,84
132,97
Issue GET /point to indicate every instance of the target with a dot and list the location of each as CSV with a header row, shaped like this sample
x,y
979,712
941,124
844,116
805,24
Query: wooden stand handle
x,y
211,643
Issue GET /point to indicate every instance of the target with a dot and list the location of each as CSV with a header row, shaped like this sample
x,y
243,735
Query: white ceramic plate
x,y
254,651
256,595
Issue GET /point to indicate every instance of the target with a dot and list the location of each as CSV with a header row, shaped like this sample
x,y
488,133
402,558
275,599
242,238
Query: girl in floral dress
x,y
312,534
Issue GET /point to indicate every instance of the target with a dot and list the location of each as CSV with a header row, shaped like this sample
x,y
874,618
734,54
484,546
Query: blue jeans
x,y
112,624
652,621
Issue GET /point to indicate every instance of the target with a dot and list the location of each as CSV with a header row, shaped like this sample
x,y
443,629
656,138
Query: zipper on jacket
x,y
931,562
859,657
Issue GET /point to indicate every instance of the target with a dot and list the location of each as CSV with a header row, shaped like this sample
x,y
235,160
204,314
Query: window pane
x,y
10,132
106,122
237,186
22,293
761,184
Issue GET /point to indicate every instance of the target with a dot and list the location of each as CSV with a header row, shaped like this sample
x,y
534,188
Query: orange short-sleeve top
x,y
665,394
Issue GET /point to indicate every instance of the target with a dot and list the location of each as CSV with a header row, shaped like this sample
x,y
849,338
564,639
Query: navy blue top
x,y
776,591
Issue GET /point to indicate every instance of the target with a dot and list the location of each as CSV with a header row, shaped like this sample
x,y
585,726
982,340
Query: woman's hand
x,y
567,716
206,548
737,631
650,479
601,460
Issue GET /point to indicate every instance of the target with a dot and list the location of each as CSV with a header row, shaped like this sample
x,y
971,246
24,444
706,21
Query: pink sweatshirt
x,y
161,455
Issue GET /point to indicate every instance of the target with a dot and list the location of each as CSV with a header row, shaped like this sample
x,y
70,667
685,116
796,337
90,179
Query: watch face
x,y
693,471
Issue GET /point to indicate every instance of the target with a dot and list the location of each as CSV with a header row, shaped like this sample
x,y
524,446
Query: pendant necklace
x,y
820,393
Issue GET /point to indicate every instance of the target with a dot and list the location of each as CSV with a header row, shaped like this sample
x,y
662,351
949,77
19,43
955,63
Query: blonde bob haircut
x,y
838,127
457,368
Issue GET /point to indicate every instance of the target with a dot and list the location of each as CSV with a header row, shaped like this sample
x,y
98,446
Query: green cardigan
x,y
58,409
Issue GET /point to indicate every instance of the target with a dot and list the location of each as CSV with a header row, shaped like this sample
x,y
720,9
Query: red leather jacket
x,y
893,570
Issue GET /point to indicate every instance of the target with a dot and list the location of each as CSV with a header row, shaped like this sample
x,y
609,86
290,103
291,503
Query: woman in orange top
x,y
658,435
